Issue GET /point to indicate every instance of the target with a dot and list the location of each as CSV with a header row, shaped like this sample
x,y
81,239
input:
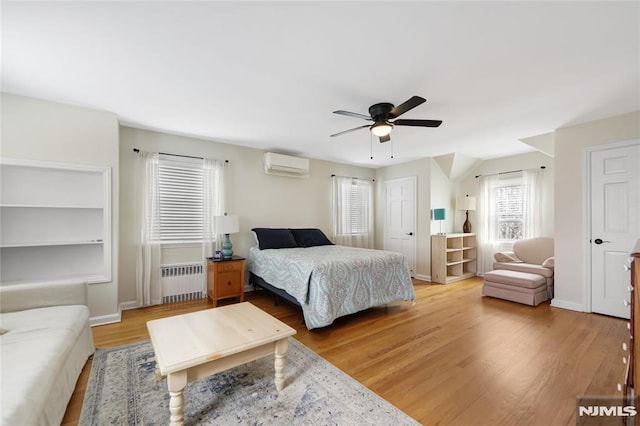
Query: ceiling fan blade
x,y
406,106
385,138
420,123
353,114
350,130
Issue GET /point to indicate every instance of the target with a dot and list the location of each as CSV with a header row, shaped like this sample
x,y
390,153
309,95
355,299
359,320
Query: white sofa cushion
x,y
515,278
35,348
524,267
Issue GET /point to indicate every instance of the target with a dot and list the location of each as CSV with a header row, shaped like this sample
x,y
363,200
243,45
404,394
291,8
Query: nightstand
x,y
225,278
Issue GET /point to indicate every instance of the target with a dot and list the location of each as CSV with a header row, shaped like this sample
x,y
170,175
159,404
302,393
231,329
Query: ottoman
x,y
521,287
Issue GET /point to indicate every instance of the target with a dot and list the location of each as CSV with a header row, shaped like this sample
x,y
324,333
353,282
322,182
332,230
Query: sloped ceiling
x,y
546,143
456,165
268,75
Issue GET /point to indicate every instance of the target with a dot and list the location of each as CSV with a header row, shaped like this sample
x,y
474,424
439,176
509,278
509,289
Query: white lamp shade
x,y
227,224
466,203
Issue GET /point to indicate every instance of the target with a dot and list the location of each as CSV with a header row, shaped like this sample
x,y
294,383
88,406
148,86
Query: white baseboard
x,y
105,319
572,306
422,277
125,306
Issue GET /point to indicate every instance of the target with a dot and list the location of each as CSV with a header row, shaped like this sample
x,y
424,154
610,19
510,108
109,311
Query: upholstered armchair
x,y
533,256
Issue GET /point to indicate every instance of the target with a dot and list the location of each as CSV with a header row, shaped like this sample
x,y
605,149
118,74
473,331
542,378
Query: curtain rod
x,y
510,171
136,150
353,177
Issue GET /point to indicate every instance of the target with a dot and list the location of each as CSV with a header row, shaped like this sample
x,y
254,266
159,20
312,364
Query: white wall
x,y
421,169
46,131
571,241
258,199
441,197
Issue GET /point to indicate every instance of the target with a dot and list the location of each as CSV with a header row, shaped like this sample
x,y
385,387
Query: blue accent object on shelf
x,y
439,214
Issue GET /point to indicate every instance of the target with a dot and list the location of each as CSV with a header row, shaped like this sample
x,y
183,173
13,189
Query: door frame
x,y
414,248
586,246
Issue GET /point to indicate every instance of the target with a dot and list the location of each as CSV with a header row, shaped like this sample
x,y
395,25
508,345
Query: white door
x,y
615,225
400,218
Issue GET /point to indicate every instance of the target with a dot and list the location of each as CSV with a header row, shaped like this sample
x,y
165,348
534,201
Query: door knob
x,y
599,241
409,233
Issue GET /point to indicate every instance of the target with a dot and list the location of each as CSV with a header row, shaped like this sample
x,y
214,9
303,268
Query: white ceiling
x,y
268,75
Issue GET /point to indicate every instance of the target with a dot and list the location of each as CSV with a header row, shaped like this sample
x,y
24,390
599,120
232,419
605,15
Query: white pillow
x,y
549,262
507,256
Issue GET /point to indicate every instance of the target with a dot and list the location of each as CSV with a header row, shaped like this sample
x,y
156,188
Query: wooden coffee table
x,y
193,346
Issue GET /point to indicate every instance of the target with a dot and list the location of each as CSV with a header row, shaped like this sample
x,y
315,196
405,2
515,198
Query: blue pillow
x,y
274,238
310,237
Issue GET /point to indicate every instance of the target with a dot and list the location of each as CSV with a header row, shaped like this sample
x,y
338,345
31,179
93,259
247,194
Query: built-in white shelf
x,y
55,222
59,279
52,243
47,206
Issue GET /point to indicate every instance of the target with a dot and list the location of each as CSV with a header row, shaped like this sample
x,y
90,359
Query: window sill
x,y
180,244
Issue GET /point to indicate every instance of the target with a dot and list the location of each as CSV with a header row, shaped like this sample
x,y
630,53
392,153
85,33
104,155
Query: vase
x,y
227,248
466,226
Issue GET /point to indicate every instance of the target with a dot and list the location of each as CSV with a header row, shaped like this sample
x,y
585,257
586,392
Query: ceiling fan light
x,y
382,128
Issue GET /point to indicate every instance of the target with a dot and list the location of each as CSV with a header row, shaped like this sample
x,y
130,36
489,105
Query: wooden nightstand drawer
x,y
228,284
232,265
225,279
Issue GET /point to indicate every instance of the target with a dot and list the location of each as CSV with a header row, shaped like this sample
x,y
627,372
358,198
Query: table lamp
x,y
227,224
440,215
466,203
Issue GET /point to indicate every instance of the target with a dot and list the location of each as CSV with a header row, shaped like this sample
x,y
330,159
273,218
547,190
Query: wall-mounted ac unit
x,y
285,165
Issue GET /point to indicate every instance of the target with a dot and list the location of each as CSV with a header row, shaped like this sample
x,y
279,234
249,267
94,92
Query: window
x,y
180,194
352,221
510,212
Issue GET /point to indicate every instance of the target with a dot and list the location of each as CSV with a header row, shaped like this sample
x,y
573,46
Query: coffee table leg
x,y
281,351
176,383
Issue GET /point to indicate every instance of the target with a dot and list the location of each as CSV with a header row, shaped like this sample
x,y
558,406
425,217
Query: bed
x,y
327,281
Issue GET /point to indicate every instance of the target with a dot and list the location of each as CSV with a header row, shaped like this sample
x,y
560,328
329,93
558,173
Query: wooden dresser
x,y
632,379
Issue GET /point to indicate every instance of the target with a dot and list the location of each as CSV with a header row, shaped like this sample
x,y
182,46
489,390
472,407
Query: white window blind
x,y
355,215
510,212
352,212
180,190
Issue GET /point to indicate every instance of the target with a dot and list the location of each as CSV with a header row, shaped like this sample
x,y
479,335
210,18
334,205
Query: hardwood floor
x,y
453,357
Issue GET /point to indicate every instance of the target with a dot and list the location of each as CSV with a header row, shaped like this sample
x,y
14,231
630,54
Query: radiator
x,y
181,282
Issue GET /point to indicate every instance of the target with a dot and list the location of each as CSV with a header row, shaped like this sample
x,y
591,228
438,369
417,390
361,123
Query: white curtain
x,y
489,241
352,218
532,210
487,223
148,286
213,204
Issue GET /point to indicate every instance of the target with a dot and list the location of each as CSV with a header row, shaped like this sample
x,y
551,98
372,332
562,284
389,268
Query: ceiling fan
x,y
381,114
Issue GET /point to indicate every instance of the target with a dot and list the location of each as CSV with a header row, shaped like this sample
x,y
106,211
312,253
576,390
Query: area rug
x,y
123,390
